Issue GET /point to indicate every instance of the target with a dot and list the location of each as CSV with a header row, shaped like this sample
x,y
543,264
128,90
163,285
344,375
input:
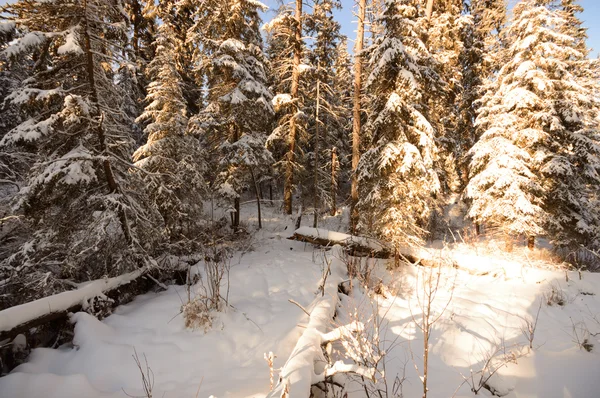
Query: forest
x,y
147,145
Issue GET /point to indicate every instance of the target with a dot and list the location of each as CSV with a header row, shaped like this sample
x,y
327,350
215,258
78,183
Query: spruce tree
x,y
328,122
444,40
238,109
533,167
397,179
171,156
479,63
90,215
290,109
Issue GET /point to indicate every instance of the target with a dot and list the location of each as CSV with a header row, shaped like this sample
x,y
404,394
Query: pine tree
x,y
328,123
533,166
479,63
173,157
340,157
89,211
182,16
235,121
397,179
444,40
12,73
132,76
285,51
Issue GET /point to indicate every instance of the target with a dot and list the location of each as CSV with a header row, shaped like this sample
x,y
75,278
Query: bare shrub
x,y
198,310
555,296
491,362
146,374
368,348
427,289
529,326
580,335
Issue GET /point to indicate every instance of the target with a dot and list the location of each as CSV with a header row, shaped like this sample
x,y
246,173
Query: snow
x,y
76,167
71,44
225,362
485,315
339,237
32,39
298,373
281,100
6,27
15,316
486,297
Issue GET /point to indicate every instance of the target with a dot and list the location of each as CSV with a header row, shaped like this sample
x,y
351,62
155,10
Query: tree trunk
x,y
334,161
429,9
236,215
531,242
257,198
299,218
356,125
317,149
236,202
106,166
289,172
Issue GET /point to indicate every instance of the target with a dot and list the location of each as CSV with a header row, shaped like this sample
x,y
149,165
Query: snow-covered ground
x,y
482,319
484,300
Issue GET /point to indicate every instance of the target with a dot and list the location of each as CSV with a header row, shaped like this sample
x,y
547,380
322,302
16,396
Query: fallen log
x,y
358,245
304,368
20,318
45,322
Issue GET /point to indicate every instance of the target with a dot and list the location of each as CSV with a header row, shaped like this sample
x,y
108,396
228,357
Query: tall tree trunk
x,y
236,215
257,198
289,172
317,149
429,9
334,170
106,166
356,125
236,201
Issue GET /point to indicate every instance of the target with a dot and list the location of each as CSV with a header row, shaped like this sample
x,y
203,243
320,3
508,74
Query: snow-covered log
x,y
21,318
299,372
361,246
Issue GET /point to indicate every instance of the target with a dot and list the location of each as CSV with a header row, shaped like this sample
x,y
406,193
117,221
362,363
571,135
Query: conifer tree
x,y
533,167
479,63
397,179
235,121
286,49
173,157
89,212
182,15
444,40
328,113
340,157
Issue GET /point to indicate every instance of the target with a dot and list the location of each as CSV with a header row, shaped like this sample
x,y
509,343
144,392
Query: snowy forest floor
x,y
484,301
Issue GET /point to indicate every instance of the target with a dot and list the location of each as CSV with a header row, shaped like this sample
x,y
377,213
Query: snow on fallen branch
x,y
25,316
360,245
299,373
